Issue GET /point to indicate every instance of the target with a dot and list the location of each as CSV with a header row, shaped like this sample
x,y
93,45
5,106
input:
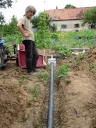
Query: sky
x,y
18,8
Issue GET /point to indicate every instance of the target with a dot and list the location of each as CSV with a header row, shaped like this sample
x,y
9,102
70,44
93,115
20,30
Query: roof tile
x,y
67,14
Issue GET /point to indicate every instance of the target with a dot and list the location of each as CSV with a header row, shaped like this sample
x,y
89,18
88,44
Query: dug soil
x,y
24,98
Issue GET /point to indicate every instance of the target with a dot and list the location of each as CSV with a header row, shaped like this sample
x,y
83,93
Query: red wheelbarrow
x,y
22,58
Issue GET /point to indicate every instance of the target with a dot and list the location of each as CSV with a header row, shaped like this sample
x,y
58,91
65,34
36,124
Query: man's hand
x,y
24,33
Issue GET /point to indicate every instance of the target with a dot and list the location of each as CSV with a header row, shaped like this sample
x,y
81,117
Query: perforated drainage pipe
x,y
52,62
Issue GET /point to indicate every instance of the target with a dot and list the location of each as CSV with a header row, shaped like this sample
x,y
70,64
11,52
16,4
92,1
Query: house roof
x,y
68,14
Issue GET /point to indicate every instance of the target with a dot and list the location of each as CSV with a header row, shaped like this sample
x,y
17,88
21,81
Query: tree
x,y
13,25
42,37
2,20
4,4
35,20
69,6
4,30
54,27
90,17
9,29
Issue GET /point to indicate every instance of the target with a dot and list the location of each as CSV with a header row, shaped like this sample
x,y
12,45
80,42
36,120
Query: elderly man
x,y
25,28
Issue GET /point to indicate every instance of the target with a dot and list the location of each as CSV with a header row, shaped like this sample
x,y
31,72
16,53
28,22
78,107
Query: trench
x,y
74,103
45,114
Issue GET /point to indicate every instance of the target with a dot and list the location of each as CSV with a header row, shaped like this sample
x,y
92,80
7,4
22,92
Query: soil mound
x,y
78,102
13,104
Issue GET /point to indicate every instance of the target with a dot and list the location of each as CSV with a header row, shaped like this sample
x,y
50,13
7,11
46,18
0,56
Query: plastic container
x,y
22,58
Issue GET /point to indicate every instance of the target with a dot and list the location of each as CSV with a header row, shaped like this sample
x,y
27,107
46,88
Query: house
x,y
68,19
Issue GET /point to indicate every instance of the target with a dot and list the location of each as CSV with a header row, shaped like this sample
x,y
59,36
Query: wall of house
x,y
70,25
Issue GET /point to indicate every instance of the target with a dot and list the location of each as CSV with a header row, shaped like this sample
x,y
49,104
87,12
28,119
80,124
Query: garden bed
x,y
24,99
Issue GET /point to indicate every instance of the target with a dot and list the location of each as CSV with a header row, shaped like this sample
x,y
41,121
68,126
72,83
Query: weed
x,y
62,72
21,80
34,91
37,125
24,120
80,57
67,81
91,66
31,100
47,67
63,51
43,76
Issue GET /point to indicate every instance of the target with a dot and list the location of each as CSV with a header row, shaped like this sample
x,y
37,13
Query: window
x,y
63,26
76,25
